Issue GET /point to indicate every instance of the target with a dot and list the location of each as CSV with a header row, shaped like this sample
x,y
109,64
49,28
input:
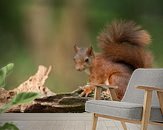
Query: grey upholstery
x,y
132,111
131,105
143,77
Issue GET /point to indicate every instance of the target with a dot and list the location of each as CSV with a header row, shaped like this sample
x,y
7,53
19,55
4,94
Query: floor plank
x,y
58,121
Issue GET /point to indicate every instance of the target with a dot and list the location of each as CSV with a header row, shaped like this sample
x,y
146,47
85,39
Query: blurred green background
x,y
43,32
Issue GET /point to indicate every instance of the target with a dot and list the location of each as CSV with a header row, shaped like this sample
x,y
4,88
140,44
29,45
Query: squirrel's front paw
x,y
87,89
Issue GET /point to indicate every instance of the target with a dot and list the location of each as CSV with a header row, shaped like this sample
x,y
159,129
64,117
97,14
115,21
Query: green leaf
x,y
5,107
8,68
21,98
24,97
4,72
8,126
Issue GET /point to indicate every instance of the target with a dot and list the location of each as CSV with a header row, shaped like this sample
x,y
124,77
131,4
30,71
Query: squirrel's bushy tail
x,y
125,42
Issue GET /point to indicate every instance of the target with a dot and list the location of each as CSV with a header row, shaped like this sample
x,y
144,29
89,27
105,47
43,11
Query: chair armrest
x,y
159,93
147,88
148,100
104,86
99,87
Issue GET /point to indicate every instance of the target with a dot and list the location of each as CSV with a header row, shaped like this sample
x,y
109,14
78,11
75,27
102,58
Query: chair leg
x,y
144,126
146,110
124,125
94,123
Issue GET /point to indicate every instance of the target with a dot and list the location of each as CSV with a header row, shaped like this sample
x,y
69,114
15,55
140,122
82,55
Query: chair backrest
x,y
143,77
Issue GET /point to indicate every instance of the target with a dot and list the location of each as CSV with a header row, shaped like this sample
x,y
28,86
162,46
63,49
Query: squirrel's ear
x,y
90,51
76,48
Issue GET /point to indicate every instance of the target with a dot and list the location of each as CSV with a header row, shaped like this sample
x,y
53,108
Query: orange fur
x,y
123,51
117,74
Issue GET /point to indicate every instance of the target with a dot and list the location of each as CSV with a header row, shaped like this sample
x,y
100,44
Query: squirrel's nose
x,y
79,69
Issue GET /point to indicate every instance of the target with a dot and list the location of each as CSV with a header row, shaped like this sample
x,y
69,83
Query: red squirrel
x,y
123,45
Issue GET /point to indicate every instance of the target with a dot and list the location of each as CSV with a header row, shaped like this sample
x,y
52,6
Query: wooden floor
x,y
59,121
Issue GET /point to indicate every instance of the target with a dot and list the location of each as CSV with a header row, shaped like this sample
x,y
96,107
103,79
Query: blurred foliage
x,y
76,19
9,126
21,98
4,72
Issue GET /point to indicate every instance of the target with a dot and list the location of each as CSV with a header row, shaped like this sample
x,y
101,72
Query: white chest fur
x,y
87,71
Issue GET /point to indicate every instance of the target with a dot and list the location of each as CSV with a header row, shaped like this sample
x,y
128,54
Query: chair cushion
x,y
125,110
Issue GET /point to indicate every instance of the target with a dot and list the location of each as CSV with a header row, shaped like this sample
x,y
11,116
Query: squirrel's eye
x,y
86,60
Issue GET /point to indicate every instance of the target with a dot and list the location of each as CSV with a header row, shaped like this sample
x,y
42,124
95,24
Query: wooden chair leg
x,y
146,110
94,123
124,125
160,98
